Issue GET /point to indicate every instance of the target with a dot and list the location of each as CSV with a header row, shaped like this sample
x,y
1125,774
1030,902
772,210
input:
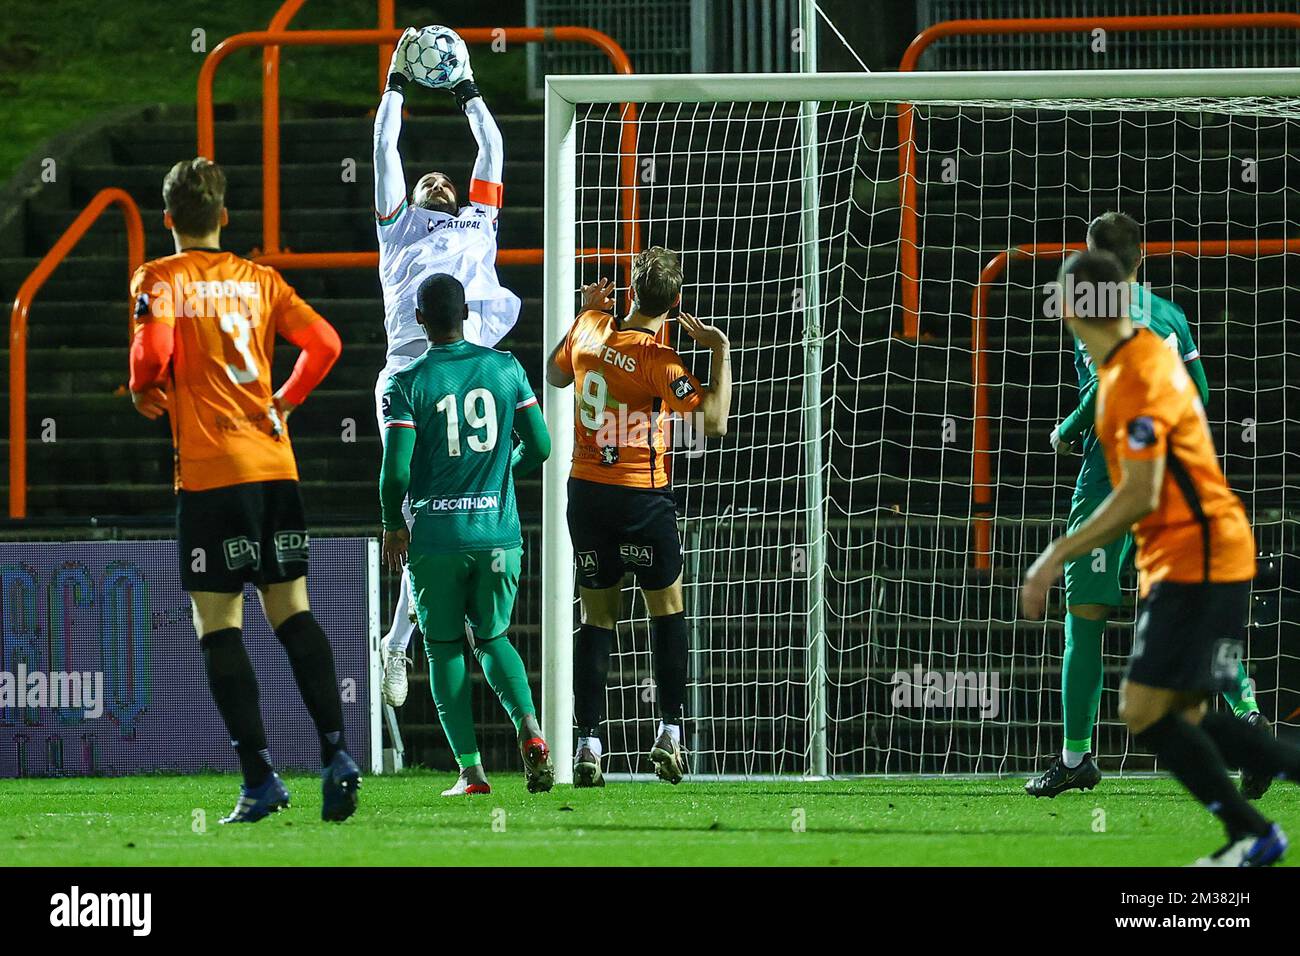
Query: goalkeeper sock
x,y
506,674
449,681
1190,754
1242,700
1250,747
590,671
1080,683
312,660
234,688
668,654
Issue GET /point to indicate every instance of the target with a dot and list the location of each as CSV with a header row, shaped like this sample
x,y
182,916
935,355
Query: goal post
x,y
832,534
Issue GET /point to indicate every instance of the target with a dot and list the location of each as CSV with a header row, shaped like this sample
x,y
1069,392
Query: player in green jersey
x,y
448,421
1092,582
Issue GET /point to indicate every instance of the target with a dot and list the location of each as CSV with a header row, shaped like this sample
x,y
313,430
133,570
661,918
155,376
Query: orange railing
x,y
981,471
18,325
909,247
272,253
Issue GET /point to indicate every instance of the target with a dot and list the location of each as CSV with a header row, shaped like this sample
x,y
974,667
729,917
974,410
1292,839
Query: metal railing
x,y
272,253
18,324
909,252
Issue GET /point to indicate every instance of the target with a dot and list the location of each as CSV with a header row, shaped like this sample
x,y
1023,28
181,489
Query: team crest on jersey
x,y
1141,433
609,454
242,552
639,555
682,386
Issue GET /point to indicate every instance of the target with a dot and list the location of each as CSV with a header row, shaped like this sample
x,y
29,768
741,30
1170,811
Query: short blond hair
x,y
194,193
656,280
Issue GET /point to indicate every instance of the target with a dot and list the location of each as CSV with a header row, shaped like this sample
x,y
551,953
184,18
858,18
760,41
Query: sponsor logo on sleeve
x,y
142,305
1141,433
682,387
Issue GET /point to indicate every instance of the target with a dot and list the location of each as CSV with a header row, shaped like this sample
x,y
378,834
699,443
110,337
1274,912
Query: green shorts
x,y
1094,578
474,586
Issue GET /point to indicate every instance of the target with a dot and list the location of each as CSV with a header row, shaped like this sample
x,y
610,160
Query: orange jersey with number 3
x,y
226,312
625,384
1148,409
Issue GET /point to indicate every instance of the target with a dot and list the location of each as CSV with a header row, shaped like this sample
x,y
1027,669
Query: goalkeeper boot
x,y
1253,784
258,802
669,758
395,684
472,780
538,772
1059,778
586,769
339,782
1250,850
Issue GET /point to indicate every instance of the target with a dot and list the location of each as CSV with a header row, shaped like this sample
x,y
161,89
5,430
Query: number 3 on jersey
x,y
480,414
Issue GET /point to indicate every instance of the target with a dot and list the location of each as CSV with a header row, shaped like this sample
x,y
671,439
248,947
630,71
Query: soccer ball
x,y
437,58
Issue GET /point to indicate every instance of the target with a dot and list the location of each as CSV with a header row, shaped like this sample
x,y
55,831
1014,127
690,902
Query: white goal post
x,y
789,682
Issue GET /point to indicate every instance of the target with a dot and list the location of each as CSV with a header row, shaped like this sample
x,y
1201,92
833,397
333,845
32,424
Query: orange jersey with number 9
x,y
226,312
625,385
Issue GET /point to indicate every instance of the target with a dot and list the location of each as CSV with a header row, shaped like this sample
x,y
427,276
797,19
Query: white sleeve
x,y
485,181
390,182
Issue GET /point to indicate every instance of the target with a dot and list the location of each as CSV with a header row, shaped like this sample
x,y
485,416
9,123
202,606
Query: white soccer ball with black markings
x,y
437,58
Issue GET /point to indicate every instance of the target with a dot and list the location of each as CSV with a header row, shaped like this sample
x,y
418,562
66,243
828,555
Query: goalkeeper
x,y
1092,581
432,233
448,418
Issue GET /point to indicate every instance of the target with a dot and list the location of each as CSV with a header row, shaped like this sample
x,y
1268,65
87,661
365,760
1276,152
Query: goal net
x,y
854,545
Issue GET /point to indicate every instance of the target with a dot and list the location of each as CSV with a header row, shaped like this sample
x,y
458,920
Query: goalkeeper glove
x,y
399,74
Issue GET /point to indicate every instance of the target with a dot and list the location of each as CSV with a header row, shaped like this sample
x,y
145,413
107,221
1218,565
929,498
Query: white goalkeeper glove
x,y
399,73
1059,444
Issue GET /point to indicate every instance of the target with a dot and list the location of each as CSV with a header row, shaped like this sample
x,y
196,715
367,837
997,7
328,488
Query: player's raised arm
x,y
485,184
715,399
597,296
390,181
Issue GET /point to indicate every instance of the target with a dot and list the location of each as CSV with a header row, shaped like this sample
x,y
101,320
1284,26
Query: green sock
x,y
452,692
1242,700
505,672
1081,680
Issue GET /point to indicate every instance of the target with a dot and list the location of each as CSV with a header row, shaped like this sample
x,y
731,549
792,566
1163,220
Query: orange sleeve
x,y
321,348
673,382
1139,415
152,346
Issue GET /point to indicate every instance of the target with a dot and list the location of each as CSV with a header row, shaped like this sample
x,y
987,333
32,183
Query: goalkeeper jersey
x,y
1169,324
461,399
415,243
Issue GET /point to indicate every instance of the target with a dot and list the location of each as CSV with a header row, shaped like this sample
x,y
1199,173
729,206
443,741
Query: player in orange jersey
x,y
622,514
1195,559
204,327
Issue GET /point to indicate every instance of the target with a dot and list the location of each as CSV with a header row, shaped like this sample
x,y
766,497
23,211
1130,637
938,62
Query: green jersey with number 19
x,y
461,399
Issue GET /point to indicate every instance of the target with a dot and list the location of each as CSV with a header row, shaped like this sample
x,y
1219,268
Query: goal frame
x,y
563,96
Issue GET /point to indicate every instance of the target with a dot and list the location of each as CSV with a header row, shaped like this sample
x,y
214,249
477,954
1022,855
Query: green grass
x,y
404,821
70,61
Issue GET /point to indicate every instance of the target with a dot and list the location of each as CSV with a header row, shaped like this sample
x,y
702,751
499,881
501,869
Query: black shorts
x,y
252,533
1190,636
616,529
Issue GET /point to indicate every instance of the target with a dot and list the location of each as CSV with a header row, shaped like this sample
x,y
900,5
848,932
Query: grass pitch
x,y
403,821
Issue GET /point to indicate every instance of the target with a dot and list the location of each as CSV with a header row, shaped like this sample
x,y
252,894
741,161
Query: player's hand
x,y
151,403
1040,577
598,296
1059,444
396,544
710,336
397,65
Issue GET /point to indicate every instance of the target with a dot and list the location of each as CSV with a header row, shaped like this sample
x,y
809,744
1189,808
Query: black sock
x,y
669,655
234,688
1191,756
1250,747
590,671
312,660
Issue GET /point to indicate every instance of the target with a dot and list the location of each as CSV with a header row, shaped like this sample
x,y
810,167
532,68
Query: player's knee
x,y
214,611
441,652
1090,612
1139,709
284,600
666,601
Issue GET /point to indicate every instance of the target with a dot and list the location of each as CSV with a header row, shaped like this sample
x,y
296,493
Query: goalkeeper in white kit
x,y
425,233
